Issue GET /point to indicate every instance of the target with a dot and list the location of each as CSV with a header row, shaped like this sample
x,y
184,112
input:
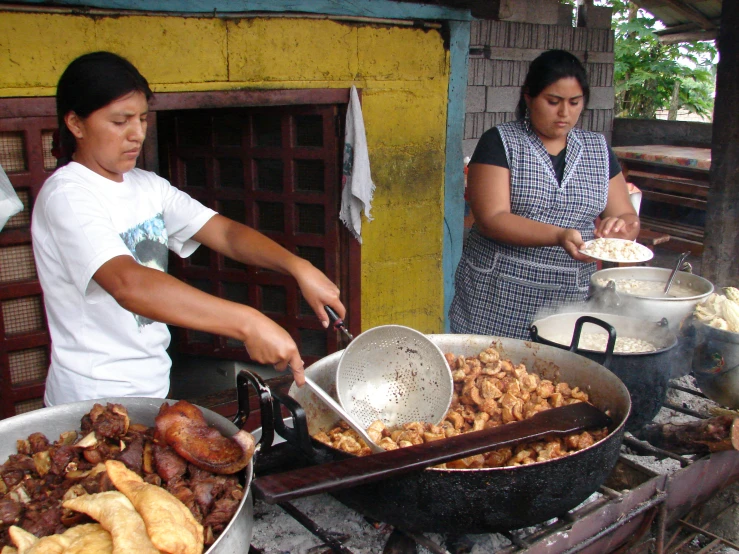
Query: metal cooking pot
x,y
651,308
645,374
716,364
486,499
53,421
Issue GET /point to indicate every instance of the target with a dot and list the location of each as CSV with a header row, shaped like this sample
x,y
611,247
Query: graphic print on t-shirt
x,y
148,244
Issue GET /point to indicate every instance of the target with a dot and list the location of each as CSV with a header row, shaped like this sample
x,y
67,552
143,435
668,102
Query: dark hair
x,y
548,68
89,83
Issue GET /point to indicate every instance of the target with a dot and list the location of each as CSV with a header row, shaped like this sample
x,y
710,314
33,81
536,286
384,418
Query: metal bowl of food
x,y
54,421
638,292
476,500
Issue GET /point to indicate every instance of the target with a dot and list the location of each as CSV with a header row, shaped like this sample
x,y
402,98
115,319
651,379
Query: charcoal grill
x,y
636,507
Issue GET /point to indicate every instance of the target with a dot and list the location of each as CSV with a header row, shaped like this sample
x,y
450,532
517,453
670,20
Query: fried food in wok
x,y
169,524
118,516
488,392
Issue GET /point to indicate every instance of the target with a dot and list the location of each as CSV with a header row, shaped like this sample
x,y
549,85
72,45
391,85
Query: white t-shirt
x,y
80,221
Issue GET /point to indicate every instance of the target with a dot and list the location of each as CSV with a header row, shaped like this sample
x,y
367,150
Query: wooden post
x,y
721,248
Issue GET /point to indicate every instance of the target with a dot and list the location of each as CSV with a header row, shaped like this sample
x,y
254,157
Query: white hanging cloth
x,y
356,195
10,204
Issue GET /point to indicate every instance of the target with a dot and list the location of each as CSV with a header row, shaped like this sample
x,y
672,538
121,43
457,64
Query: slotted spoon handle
x,y
343,414
338,323
351,472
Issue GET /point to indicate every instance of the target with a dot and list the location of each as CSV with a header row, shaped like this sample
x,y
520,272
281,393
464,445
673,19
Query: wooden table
x,y
665,155
670,178
650,238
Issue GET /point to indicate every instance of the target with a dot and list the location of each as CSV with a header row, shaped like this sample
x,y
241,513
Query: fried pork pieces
x,y
488,392
35,482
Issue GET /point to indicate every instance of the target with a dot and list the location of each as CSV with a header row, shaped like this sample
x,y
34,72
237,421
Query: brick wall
x,y
500,53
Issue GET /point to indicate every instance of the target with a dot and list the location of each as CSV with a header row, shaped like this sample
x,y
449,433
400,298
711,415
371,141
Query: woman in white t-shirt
x,y
101,233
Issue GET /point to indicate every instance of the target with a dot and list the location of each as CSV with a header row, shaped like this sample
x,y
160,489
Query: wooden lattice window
x,y
276,169
25,155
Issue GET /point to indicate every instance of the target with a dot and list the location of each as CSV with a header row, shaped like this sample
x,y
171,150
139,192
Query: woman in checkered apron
x,y
536,187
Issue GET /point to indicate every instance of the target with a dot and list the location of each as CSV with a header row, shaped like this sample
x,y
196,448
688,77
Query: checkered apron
x,y
500,288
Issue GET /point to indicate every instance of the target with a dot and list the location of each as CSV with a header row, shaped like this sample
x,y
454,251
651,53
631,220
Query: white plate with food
x,y
617,250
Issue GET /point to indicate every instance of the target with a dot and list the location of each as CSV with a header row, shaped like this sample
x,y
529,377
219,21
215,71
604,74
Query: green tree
x,y
646,71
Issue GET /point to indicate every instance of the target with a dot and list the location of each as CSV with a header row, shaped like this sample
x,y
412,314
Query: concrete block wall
x,y
402,71
500,53
631,132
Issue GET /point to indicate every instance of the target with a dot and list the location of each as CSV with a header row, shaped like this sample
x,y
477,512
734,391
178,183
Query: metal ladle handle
x,y
679,264
338,323
343,414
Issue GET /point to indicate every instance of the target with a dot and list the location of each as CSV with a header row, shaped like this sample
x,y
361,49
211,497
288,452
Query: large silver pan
x,y
235,538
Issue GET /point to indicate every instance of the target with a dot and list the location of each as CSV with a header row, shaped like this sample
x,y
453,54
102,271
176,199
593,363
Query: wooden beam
x,y
683,27
482,9
692,36
11,108
240,98
485,9
720,261
691,12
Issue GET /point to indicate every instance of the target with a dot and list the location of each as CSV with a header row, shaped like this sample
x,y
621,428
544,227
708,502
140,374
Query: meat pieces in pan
x,y
488,392
35,482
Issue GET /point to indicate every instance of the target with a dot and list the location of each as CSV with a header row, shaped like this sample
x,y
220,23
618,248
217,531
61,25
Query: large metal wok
x,y
488,499
235,538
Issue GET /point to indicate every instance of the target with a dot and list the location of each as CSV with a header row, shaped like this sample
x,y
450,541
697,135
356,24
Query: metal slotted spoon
x,y
390,373
343,414
395,374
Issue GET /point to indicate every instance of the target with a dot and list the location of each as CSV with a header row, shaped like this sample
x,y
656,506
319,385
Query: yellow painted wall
x,y
403,73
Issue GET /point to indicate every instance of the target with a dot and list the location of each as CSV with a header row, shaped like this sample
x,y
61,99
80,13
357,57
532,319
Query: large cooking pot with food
x,y
646,374
53,421
637,292
490,498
